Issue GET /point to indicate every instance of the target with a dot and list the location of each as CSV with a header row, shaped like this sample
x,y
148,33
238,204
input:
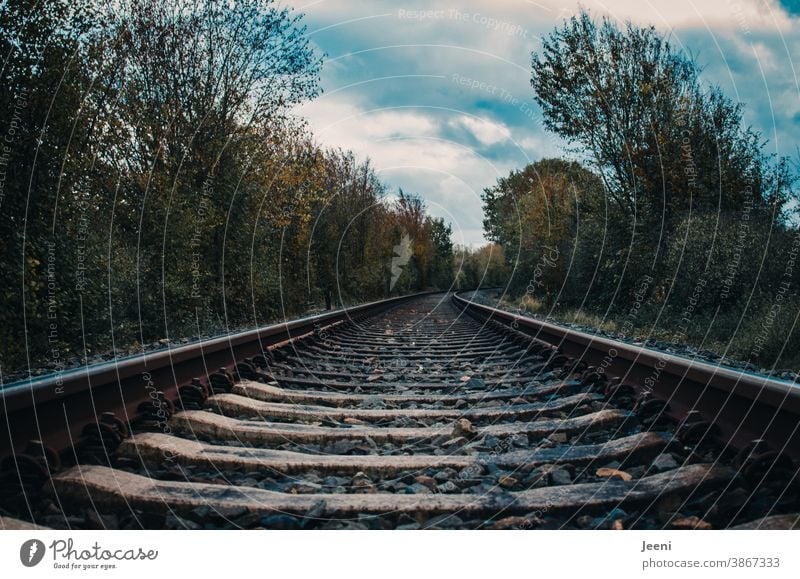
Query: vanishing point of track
x,y
421,412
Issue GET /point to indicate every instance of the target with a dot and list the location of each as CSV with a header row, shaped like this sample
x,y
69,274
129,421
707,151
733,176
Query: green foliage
x,y
536,215
680,225
155,183
662,143
441,272
483,267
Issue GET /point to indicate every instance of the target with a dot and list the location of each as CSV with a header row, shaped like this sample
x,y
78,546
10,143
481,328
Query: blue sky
x,y
438,94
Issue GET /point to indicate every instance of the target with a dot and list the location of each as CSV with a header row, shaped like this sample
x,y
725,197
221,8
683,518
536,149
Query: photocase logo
x,y
31,553
402,254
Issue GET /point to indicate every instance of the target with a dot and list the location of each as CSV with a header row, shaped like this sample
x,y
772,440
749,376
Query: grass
x,y
757,334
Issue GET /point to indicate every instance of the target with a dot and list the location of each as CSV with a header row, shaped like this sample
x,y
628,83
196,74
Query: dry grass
x,y
732,335
528,303
583,318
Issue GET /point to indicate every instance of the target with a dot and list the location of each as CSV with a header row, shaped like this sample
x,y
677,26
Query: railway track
x,y
429,412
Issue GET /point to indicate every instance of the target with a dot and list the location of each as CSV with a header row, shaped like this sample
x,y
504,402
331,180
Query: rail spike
x,y
594,378
221,381
245,370
155,412
193,396
401,422
101,438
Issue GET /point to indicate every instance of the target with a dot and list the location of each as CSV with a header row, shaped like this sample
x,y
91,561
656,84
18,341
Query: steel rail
x,y
55,408
745,407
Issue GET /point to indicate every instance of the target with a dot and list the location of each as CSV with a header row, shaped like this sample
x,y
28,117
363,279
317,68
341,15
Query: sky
x,y
437,95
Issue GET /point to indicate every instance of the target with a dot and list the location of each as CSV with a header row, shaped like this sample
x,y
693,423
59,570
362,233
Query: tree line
x,y
155,183
669,212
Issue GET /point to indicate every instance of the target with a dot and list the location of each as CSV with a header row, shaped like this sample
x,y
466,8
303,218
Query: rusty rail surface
x,y
426,411
744,408
55,408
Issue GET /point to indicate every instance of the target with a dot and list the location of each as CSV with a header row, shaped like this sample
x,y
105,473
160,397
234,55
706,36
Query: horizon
x,y
439,97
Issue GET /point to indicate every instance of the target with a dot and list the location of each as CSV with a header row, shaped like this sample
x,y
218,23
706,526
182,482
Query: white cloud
x,y
541,145
486,131
406,151
341,119
391,93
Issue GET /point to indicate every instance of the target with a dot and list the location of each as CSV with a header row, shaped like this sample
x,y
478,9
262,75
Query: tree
x,y
661,143
482,267
208,87
346,239
48,158
159,184
664,147
535,215
441,269
410,223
